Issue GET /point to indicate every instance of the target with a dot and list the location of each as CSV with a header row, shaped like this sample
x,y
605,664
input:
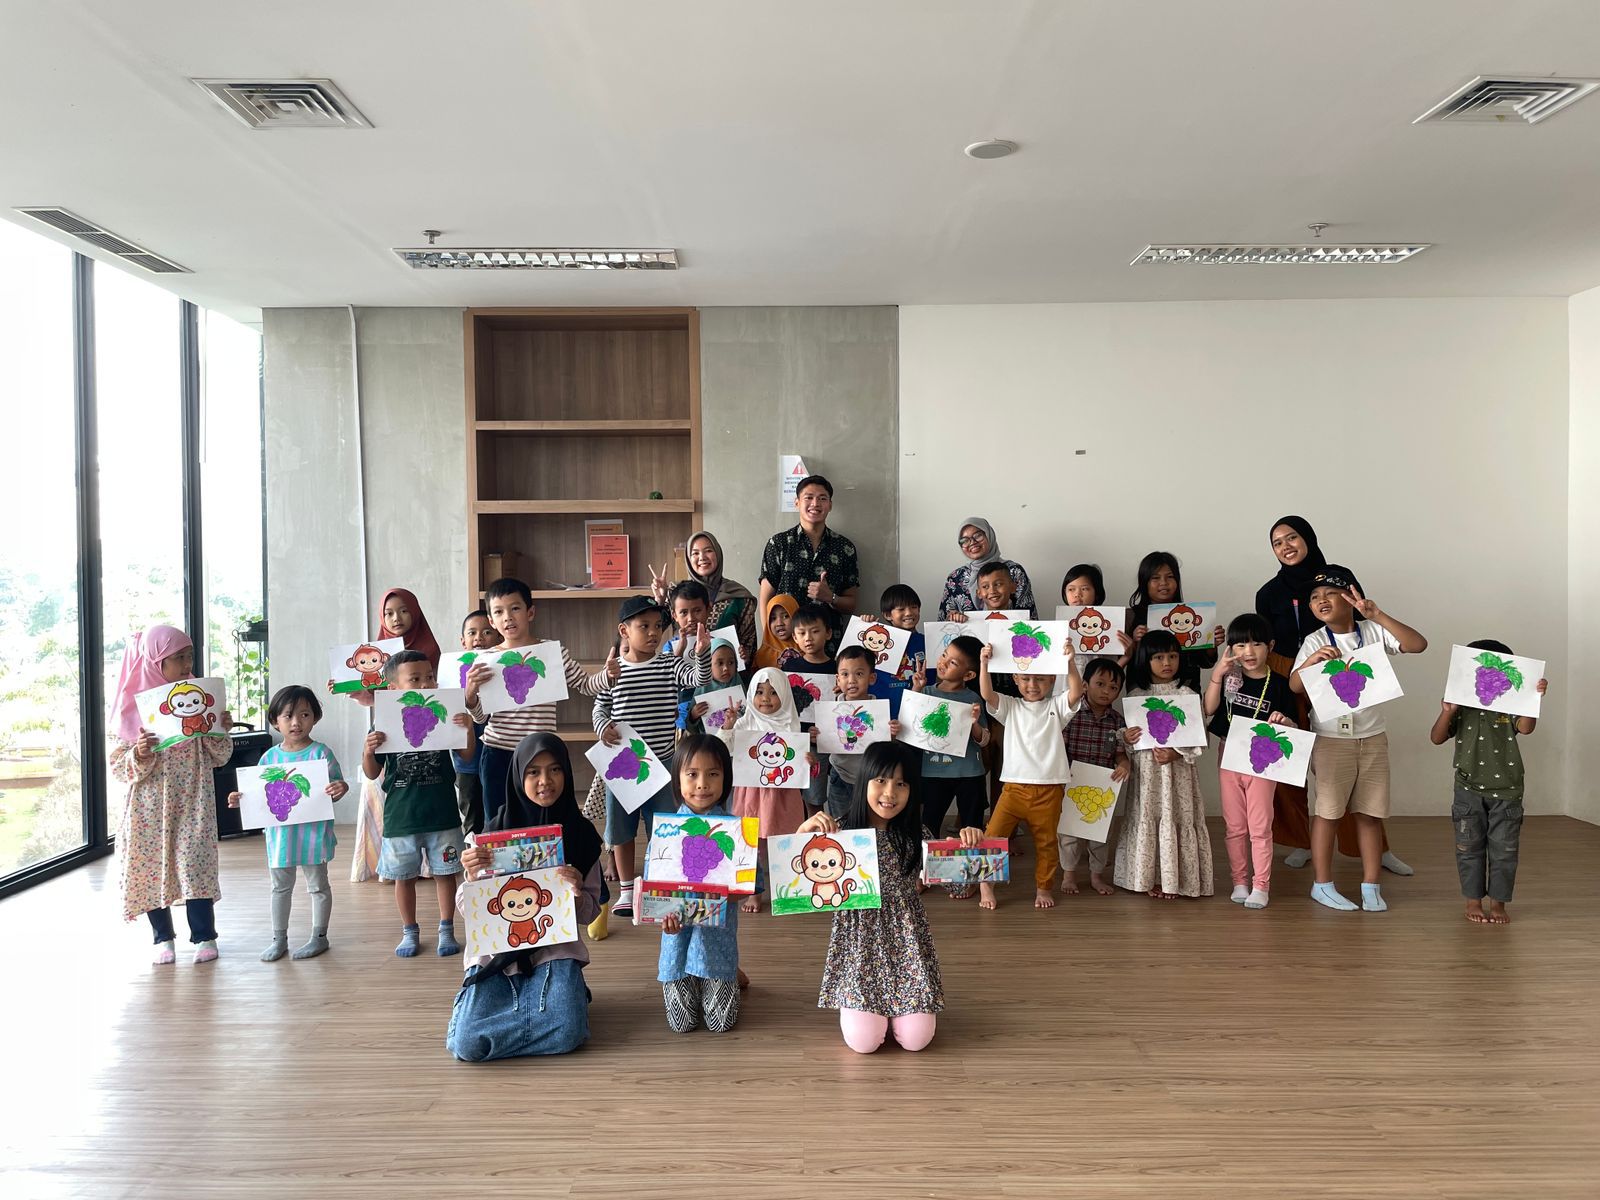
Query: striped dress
x,y
646,697
505,730
310,842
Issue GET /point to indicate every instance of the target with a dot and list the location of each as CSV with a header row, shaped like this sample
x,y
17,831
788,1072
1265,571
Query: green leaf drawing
x,y
1267,731
1337,666
724,843
438,710
642,752
274,775
301,783
509,659
412,699
1495,663
1155,704
471,656
1023,629
696,827
536,665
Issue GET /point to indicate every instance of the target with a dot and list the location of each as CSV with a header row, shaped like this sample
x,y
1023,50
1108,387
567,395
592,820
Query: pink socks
x,y
864,1032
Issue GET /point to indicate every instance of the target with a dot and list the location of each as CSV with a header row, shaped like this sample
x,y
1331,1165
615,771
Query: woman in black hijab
x,y
533,1001
1284,600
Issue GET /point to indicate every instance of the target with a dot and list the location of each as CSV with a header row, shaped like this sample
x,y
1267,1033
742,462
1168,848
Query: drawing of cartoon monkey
x,y
189,702
518,903
824,862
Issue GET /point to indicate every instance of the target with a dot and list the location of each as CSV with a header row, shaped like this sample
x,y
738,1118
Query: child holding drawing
x,y
882,972
769,709
294,712
699,966
1165,849
1095,736
533,1001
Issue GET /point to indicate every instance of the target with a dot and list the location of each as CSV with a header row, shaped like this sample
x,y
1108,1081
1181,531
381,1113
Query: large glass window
x,y
41,781
231,500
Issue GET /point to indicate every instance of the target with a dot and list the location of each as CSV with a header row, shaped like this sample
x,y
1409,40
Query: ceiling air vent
x,y
523,258
286,103
85,231
1320,252
1500,100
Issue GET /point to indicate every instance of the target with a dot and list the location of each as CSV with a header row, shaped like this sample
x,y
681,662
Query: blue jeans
x,y
494,764
202,922
836,802
508,1016
622,826
817,792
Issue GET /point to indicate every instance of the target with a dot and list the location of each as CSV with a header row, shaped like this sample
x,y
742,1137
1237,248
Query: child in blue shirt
x,y
699,966
902,608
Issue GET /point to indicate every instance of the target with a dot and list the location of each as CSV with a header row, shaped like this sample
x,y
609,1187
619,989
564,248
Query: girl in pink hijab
x,y
167,838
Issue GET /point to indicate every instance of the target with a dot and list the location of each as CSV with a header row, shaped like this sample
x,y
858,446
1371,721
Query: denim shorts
x,y
401,857
622,826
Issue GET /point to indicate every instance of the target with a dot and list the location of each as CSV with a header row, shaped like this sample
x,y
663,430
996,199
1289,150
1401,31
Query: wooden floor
x,y
1114,1046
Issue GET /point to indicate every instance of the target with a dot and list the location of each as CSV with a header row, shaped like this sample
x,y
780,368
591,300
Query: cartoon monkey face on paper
x,y
185,700
1090,623
823,860
1182,621
368,660
519,900
772,751
876,638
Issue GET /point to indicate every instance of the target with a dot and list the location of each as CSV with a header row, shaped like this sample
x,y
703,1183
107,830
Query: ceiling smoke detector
x,y
1319,252
1504,99
523,258
102,239
992,148
285,103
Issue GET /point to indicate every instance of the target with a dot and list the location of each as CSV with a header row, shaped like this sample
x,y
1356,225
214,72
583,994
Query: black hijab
x,y
580,842
1284,598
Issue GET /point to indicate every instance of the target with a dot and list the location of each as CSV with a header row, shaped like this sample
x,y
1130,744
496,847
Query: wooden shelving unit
x,y
574,415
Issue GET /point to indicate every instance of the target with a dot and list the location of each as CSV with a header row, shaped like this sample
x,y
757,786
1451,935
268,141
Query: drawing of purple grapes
x,y
1348,679
284,790
419,715
1494,678
1163,719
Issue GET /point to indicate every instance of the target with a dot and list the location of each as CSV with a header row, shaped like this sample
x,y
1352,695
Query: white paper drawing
x,y
886,643
1090,803
630,769
1031,647
291,793
419,720
1280,753
1172,720
1363,678
936,724
775,759
527,675
850,726
1192,624
1093,628
1505,683
517,912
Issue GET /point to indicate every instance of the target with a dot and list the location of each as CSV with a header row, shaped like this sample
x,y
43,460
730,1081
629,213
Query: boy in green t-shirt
x,y
1487,811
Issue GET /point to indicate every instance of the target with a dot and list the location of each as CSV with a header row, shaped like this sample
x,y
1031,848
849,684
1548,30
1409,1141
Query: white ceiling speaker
x,y
992,148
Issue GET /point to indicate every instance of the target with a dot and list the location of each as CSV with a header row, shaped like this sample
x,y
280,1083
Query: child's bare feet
x,y
1101,886
1475,912
921,887
986,895
608,865
744,981
1043,899
1158,894
1498,914
963,893
1069,885
750,905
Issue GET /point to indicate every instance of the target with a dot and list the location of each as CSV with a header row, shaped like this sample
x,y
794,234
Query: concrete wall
x,y
1425,439
1583,540
412,438
818,382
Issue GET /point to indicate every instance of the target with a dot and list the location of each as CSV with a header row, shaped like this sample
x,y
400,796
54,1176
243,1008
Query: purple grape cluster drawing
x,y
420,715
853,726
1163,719
632,763
721,718
1494,678
284,790
1267,746
1348,678
703,850
467,660
1027,644
520,674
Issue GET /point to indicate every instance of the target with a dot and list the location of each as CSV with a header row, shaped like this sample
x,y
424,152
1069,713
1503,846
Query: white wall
x,y
1583,541
1425,440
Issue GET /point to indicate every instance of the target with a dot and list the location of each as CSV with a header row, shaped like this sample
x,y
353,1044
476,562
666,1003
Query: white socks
x,y
1256,899
1392,863
1328,896
1239,893
1297,858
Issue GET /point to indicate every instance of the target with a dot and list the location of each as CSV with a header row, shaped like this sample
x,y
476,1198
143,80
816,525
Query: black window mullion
x,y
194,578
91,641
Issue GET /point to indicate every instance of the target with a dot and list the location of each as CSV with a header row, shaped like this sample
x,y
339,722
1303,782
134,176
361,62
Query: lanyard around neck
x,y
1360,638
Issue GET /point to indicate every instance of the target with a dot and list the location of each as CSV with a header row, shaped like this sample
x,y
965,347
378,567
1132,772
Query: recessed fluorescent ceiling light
x,y
1230,255
488,258
1503,100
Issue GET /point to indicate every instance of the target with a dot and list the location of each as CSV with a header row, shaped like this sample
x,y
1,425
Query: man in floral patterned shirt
x,y
811,561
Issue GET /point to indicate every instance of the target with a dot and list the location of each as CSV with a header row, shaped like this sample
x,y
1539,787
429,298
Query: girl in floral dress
x,y
167,840
1165,848
882,973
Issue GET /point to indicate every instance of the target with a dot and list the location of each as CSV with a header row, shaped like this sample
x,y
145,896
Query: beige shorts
x,y
1352,774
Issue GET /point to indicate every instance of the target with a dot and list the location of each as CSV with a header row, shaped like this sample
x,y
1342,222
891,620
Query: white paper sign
x,y
810,686
1090,803
517,912
358,667
729,634
1361,680
176,712
937,636
1093,628
291,793
1191,624
771,759
886,643
1502,683
791,470
1280,753
534,674
630,768
723,707
1172,720
850,726
1031,648
420,720
935,724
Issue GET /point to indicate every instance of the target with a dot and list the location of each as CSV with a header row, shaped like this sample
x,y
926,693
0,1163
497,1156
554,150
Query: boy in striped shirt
x,y
646,697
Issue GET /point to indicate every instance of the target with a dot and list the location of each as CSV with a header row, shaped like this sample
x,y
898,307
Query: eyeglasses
x,y
972,539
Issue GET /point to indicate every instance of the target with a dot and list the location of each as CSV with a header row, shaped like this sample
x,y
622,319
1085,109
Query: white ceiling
x,y
809,153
